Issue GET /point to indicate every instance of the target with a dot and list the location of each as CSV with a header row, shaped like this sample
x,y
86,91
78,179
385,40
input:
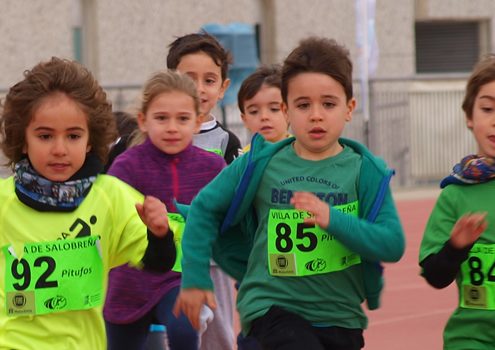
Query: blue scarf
x,y
57,195
472,169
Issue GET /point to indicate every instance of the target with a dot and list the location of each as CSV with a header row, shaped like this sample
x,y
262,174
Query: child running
x,y
307,224
201,56
260,102
126,126
166,165
459,238
62,225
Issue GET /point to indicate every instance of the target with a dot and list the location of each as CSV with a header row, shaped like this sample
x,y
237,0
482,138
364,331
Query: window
x,y
448,47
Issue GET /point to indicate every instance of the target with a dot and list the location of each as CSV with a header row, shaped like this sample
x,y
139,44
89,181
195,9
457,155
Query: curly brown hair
x,y
318,55
46,79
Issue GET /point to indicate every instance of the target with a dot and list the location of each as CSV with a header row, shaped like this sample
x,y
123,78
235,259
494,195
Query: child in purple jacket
x,y
165,165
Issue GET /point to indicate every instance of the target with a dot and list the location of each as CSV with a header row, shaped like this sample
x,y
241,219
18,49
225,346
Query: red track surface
x,y
413,314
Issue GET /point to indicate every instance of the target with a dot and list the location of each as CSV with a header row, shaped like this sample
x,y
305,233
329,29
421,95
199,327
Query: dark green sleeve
x,y
381,240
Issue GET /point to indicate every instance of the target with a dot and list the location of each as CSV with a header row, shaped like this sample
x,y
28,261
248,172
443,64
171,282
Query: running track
x,y
413,314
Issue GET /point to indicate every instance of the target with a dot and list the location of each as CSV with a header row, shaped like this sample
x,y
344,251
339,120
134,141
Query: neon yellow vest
x,y
106,223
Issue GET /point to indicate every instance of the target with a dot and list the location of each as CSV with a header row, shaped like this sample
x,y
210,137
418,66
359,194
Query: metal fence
x,y
416,125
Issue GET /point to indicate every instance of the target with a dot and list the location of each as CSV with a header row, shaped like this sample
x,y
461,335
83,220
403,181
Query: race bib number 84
x,y
478,283
54,276
299,249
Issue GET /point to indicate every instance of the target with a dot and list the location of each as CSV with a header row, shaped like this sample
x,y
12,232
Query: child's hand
x,y
309,202
190,301
468,229
154,215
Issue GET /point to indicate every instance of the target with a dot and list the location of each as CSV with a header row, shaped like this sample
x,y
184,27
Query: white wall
x,y
133,36
32,30
127,40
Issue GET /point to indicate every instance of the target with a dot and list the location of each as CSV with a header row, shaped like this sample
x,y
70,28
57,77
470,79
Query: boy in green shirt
x,y
306,227
206,62
459,239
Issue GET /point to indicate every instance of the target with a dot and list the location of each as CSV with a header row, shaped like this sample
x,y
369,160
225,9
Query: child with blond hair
x,y
164,164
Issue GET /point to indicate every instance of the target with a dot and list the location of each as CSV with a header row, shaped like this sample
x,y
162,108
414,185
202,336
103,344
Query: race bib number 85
x,y
299,249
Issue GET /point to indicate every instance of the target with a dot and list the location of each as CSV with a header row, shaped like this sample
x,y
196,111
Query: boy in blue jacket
x,y
306,227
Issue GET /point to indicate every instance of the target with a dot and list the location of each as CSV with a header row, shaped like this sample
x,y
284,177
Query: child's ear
x,y
243,117
285,111
284,108
469,123
140,120
351,105
224,87
88,148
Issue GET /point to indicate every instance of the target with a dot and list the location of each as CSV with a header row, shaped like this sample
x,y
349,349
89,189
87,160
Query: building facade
x,y
422,47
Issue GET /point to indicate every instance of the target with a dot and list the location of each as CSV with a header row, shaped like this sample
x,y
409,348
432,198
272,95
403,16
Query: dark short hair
x,y
483,73
264,75
318,55
126,123
46,79
199,42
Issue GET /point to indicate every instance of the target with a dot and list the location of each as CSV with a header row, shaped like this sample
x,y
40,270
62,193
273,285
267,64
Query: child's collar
x,y
209,124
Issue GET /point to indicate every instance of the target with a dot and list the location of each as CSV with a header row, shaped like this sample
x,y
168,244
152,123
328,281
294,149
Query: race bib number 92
x,y
54,276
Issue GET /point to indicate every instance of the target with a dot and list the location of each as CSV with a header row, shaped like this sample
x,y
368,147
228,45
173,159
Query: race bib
x,y
299,249
478,282
176,222
54,276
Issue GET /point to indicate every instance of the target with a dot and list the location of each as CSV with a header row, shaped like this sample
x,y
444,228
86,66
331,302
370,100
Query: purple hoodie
x,y
132,292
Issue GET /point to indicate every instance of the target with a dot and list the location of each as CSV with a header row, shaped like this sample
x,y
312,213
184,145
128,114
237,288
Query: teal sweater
x,y
221,220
